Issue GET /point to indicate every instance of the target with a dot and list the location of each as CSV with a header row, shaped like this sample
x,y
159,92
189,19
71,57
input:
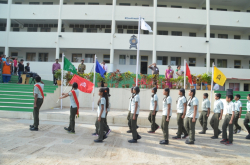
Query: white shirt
x,y
216,87
205,104
166,102
230,107
152,103
190,109
37,91
134,100
218,106
108,109
102,102
129,106
72,100
180,106
105,67
248,106
237,105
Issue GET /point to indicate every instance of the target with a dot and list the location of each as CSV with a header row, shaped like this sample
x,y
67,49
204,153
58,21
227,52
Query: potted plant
x,y
58,75
133,76
118,78
209,79
149,81
112,77
143,80
99,79
68,77
199,80
127,76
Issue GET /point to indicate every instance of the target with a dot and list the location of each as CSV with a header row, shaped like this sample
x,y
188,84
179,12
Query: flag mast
x,y
138,49
93,101
185,68
212,82
62,77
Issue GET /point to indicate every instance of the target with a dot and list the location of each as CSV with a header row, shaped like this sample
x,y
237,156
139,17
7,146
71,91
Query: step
x,y
26,90
16,96
16,104
17,100
18,93
13,108
16,86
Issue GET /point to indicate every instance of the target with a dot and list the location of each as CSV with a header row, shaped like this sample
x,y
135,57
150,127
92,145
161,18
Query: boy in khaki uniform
x,y
238,110
205,113
247,117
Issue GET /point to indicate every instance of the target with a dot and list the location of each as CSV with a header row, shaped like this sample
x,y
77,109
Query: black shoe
x,y
34,129
98,141
202,132
137,127
71,132
94,134
66,129
248,136
151,131
219,133
138,137
31,126
176,137
164,142
129,131
184,137
157,128
223,141
214,137
207,129
189,142
105,137
235,132
132,141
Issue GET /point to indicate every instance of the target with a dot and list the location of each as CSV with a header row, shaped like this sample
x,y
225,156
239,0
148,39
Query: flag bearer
x,y
205,113
217,116
166,115
247,117
38,101
228,122
107,130
238,110
129,112
154,107
74,107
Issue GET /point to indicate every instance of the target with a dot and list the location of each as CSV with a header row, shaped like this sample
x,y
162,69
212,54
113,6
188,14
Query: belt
x,y
229,114
204,110
40,98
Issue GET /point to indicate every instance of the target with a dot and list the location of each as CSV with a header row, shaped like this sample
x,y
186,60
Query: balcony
x,y
3,38
3,10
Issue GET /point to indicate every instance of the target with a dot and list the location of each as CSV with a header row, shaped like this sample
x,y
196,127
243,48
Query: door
x,y
246,87
144,64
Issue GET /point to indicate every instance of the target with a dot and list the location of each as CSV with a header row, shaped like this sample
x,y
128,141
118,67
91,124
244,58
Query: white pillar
x,y
208,35
154,32
59,28
6,49
113,23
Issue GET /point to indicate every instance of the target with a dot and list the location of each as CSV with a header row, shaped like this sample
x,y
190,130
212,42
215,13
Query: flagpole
x,y
212,82
138,49
62,77
94,85
185,73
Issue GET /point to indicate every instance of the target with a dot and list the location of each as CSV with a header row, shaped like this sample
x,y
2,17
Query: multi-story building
x,y
39,31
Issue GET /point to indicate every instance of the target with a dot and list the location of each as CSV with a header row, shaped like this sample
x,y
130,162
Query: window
x,y
219,9
237,63
144,58
145,5
132,31
222,63
236,10
122,60
79,3
192,34
45,29
77,29
175,61
76,57
161,5
211,62
192,61
120,30
92,3
91,30
132,59
2,28
43,57
47,3
30,56
89,58
145,32
249,64
107,30
3,2
204,8
124,4
176,33
160,32
162,60
212,35
234,86
34,3
172,6
14,54
18,3
16,29
108,3
106,58
223,36
192,7
32,29
237,37
63,30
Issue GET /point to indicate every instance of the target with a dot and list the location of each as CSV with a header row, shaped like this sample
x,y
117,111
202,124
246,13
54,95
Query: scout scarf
x,y
40,89
76,101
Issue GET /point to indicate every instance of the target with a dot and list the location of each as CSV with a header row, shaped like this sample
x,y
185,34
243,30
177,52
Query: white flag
x,y
145,26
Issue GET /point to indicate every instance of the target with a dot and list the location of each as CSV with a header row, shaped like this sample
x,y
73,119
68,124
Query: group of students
x,y
187,114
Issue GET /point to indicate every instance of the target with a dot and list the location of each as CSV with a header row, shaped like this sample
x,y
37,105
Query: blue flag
x,y
99,69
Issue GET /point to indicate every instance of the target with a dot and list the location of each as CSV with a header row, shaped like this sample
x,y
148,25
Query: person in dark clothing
x,y
20,70
27,67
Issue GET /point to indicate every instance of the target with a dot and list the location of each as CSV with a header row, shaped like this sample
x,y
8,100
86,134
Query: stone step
x,y
16,104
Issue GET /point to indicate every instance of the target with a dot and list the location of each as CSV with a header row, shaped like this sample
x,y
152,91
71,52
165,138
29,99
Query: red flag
x,y
83,84
188,73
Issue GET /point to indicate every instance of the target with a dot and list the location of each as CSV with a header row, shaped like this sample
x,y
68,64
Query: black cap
x,y
229,92
21,60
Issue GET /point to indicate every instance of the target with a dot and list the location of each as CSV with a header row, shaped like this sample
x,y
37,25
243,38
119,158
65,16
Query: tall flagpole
x,y
212,82
94,86
138,49
185,73
62,77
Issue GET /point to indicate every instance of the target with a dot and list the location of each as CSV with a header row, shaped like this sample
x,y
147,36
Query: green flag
x,y
68,66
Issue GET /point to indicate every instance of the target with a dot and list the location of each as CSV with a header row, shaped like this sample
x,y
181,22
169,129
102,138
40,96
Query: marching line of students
x,y
187,114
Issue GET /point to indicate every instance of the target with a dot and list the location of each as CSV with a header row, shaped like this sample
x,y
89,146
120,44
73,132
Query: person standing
x,y
105,67
155,72
55,67
81,67
106,128
15,65
74,107
6,72
38,101
27,67
217,116
20,70
247,117
179,73
238,110
181,112
1,62
166,115
168,75
154,107
205,113
4,58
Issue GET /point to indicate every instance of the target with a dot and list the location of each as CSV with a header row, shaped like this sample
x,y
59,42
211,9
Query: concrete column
x,y
59,28
154,32
113,23
6,49
208,35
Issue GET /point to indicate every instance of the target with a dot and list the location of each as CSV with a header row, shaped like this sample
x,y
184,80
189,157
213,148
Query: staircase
x,y
19,97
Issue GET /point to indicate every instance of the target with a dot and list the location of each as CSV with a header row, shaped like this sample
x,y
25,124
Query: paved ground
x,y
52,145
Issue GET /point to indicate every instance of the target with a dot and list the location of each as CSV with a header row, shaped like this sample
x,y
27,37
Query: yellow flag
x,y
219,77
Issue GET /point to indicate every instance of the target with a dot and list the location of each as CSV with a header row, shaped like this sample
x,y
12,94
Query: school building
x,y
39,31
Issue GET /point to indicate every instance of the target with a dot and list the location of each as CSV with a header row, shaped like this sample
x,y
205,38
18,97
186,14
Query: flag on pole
x,y
83,84
219,77
145,26
188,73
68,66
99,69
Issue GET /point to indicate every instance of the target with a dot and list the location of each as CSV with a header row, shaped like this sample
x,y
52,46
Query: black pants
x,y
151,119
224,128
214,122
39,103
246,121
72,117
236,118
106,123
54,80
102,83
129,121
100,128
180,123
164,127
134,126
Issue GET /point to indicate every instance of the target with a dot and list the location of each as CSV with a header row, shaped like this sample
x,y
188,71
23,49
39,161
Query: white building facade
x,y
39,31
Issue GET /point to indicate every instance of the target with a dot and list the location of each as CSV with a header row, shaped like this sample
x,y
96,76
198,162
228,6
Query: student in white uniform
x,y
181,112
247,117
238,110
106,128
135,108
154,108
166,115
205,113
129,112
228,122
191,116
